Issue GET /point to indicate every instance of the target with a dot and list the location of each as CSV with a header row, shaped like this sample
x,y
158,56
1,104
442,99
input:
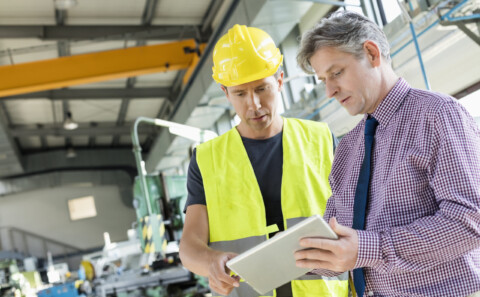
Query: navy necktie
x,y
361,195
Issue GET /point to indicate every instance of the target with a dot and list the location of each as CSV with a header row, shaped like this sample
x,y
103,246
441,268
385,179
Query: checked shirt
x,y
422,229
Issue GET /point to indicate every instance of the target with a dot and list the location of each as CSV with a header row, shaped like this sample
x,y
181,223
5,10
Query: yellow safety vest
x,y
233,195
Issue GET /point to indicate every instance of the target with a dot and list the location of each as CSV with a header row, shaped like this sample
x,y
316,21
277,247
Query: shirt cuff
x,y
324,272
369,252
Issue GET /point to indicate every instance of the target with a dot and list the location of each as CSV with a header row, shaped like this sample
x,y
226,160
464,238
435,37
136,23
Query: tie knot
x,y
370,125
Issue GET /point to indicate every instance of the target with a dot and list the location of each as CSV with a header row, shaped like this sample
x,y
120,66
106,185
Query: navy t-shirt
x,y
266,157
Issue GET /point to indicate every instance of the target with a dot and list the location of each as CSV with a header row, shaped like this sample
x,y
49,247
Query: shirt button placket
x,y
370,293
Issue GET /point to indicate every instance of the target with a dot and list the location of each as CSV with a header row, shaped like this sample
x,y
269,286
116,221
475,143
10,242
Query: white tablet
x,y
271,264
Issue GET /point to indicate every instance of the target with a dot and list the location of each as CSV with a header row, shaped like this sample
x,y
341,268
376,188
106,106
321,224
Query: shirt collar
x,y
387,108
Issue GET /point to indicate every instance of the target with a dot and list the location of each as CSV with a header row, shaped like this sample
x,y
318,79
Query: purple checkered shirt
x,y
422,231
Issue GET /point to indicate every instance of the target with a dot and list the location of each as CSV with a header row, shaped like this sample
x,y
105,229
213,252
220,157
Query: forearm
x,y
196,256
195,253
427,242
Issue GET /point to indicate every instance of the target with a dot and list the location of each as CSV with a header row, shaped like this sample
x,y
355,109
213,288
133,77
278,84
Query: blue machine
x,y
63,290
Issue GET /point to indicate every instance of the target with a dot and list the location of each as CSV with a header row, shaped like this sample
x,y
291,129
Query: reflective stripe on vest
x,y
236,211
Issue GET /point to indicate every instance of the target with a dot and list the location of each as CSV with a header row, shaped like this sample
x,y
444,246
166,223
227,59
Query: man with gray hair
x,y
405,181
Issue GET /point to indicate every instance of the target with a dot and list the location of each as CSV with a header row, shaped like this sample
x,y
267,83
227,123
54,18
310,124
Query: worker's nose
x,y
254,101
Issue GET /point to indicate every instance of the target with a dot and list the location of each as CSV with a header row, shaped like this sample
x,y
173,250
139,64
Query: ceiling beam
x,y
10,157
212,11
85,158
149,12
95,93
123,110
95,67
83,130
107,32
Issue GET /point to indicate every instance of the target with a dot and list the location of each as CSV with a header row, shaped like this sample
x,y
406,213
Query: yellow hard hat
x,y
243,55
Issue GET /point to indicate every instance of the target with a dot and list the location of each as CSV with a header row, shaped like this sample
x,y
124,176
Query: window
x,y
82,208
391,9
471,102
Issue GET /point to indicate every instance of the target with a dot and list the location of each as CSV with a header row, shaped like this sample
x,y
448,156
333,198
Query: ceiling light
x,y
69,124
71,152
64,4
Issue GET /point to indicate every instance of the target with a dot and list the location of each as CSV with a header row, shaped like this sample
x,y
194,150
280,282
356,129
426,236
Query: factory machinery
x,y
147,264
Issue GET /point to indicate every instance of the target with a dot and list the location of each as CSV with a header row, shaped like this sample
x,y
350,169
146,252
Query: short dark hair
x,y
345,30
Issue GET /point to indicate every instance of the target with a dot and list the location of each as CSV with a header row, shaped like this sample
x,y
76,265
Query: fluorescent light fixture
x,y
64,4
192,133
69,124
71,153
189,132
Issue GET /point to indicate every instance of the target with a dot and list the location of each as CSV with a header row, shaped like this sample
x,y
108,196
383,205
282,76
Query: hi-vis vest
x,y
236,211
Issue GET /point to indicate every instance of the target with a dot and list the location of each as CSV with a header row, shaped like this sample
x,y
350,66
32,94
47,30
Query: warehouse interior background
x,y
75,74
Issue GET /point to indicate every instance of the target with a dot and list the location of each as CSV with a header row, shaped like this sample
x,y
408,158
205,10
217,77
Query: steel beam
x,y
149,12
210,15
123,109
100,93
18,131
475,37
94,67
194,63
106,32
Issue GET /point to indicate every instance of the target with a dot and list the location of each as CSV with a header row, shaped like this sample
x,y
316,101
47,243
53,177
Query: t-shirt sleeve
x,y
196,192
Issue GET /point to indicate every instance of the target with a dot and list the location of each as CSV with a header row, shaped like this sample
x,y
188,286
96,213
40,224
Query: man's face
x,y
256,102
355,83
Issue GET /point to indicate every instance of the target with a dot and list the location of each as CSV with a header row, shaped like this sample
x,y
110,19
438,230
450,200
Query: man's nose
x,y
331,89
254,101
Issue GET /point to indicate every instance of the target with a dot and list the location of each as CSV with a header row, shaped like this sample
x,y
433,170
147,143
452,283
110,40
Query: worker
x,y
262,176
405,180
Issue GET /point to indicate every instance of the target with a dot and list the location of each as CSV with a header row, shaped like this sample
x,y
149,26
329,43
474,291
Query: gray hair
x,y
345,30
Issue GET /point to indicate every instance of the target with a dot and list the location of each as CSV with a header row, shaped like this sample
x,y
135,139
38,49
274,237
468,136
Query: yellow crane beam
x,y
94,67
195,61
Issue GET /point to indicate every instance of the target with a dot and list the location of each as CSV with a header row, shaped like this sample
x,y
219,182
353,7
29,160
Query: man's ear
x,y
224,89
372,52
280,81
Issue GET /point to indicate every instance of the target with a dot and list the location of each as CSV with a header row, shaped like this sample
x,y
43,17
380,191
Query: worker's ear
x,y
225,90
280,81
372,52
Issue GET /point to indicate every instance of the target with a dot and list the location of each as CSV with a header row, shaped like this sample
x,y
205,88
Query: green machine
x,y
150,215
167,195
10,283
158,199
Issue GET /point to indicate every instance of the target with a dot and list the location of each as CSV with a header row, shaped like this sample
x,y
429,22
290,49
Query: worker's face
x,y
354,83
256,102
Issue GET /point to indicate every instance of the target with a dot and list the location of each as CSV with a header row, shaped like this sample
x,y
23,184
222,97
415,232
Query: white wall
x,y
45,213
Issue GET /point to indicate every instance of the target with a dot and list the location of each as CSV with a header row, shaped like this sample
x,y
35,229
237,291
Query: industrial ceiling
x,y
105,63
